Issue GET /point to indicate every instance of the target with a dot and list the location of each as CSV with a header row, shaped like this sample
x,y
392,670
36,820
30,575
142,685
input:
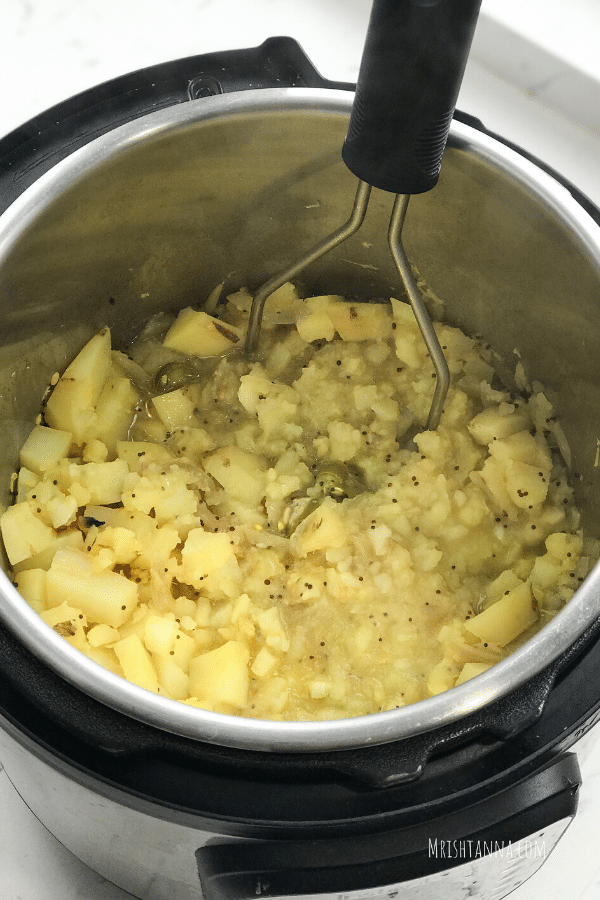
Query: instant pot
x,y
141,195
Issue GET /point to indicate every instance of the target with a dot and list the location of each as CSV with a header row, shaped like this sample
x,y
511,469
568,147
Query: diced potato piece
x,y
139,454
31,585
491,477
316,326
61,510
43,560
564,546
221,675
44,447
167,494
525,486
68,621
269,622
545,573
523,447
24,535
240,472
105,597
100,635
137,663
506,581
122,541
26,481
283,306
190,442
172,679
471,670
71,406
498,422
175,410
360,321
115,410
322,530
160,633
103,481
198,334
184,648
204,552
502,622
95,450
265,663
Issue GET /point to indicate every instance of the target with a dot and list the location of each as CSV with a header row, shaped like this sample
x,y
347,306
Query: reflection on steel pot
x,y
151,214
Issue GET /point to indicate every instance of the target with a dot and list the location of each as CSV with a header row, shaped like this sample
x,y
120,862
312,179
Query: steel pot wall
x,y
156,212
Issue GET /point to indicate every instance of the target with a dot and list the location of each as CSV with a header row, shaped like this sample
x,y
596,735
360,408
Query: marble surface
x,y
533,76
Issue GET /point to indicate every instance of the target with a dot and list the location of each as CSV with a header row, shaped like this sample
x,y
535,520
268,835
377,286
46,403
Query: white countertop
x,y
533,76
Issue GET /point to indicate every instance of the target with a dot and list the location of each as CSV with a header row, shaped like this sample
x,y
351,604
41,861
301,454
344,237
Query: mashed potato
x,y
263,537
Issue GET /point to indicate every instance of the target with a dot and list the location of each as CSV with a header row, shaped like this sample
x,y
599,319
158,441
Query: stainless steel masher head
x,y
412,66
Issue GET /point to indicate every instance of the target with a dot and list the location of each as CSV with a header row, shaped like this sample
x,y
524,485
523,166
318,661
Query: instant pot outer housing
x,y
140,196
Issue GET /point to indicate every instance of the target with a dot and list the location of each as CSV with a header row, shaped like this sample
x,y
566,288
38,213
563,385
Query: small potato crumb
x,y
261,538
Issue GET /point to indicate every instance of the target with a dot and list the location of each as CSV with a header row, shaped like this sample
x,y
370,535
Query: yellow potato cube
x,y
221,675
31,585
72,404
105,597
563,546
322,530
44,448
184,648
204,552
240,472
66,539
61,510
140,454
172,679
504,620
198,334
105,657
471,670
265,663
115,410
26,481
498,423
24,535
269,622
68,621
360,321
137,663
104,481
283,306
95,451
159,634
191,442
100,635
175,410
316,326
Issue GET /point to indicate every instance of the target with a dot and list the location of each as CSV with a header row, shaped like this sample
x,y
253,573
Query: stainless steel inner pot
x,y
154,214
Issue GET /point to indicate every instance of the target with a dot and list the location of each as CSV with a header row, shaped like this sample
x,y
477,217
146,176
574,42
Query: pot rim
x,y
265,735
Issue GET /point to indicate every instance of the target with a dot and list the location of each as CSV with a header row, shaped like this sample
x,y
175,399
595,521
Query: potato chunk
x,y
137,663
221,675
71,406
44,448
24,535
198,334
504,620
105,597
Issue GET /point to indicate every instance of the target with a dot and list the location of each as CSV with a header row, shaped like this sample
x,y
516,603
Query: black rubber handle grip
x,y
412,66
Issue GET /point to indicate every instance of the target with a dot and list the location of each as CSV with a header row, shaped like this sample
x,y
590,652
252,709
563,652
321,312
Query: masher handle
x,y
412,66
